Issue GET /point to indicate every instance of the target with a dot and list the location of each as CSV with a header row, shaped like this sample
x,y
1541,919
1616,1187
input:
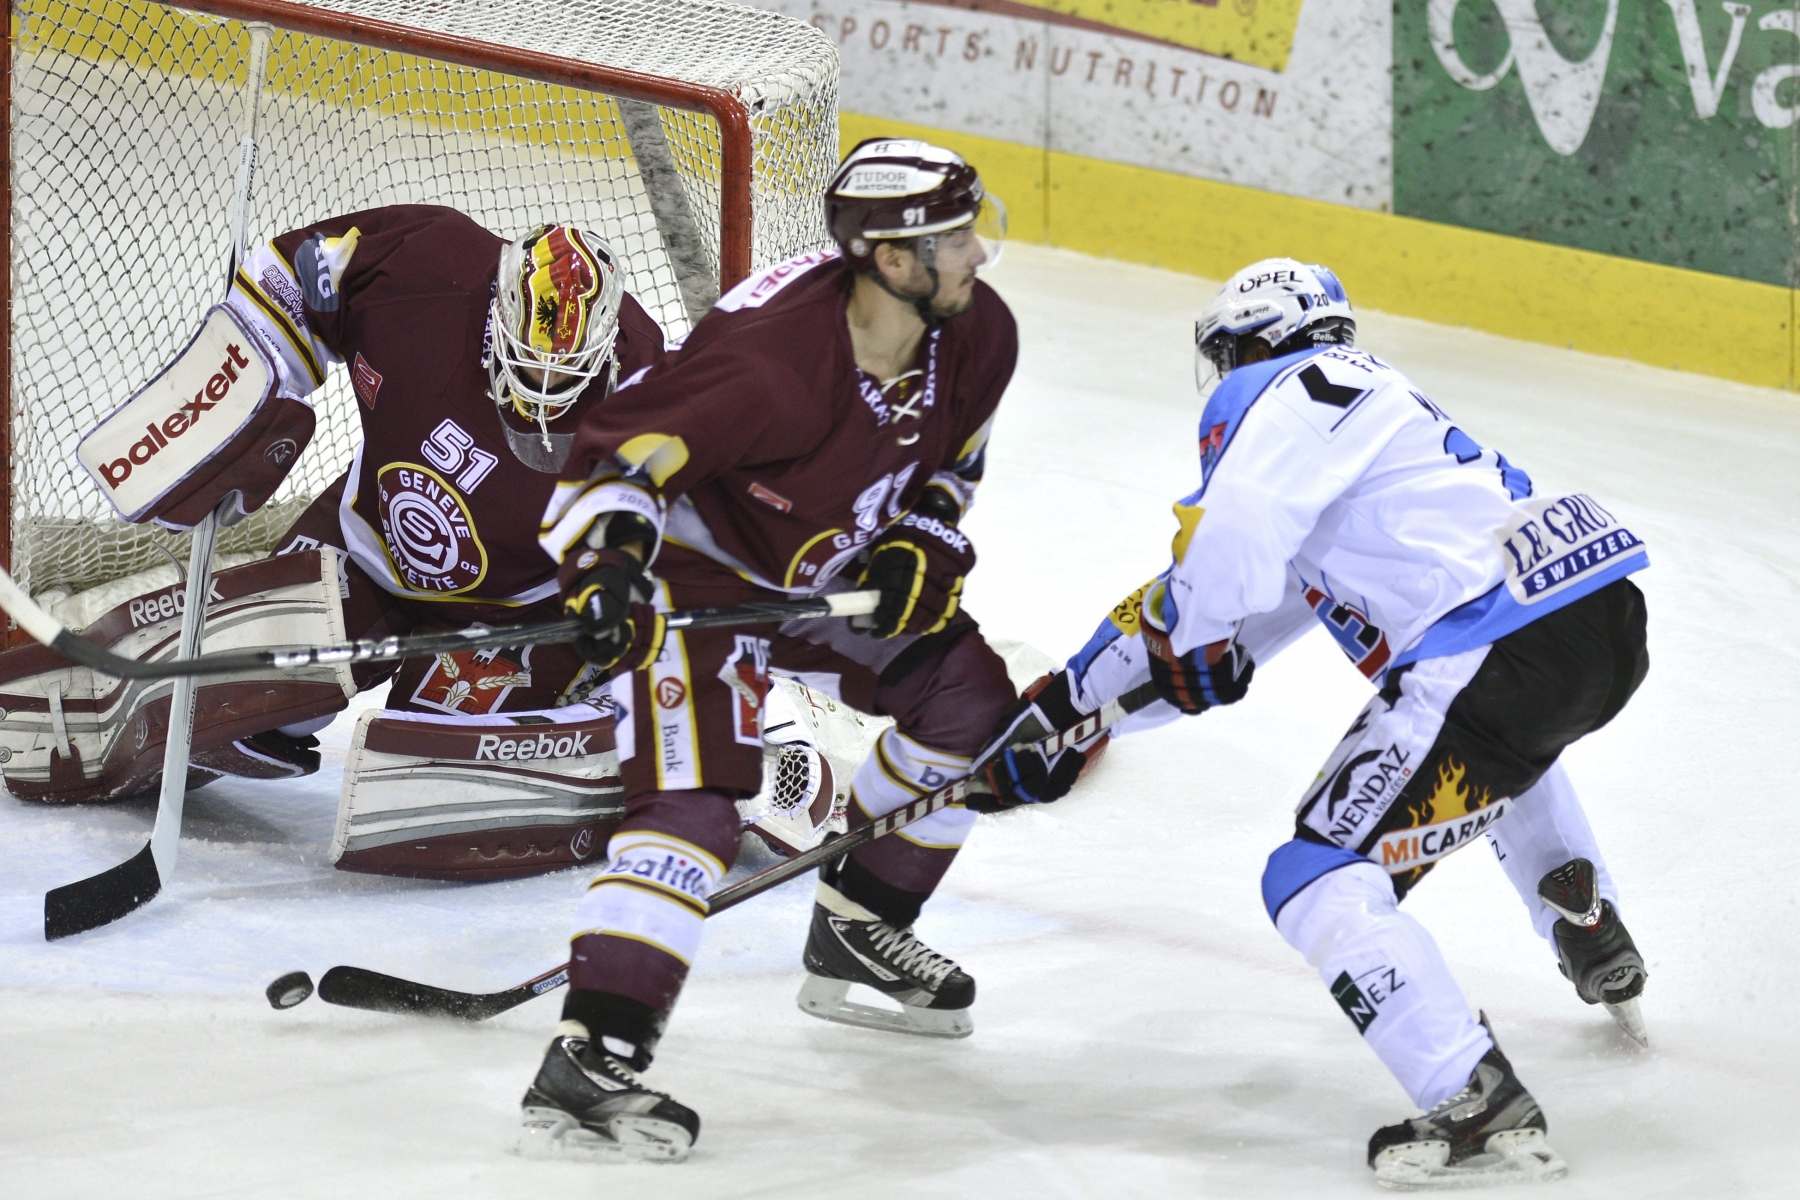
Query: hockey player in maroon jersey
x,y
823,427
472,359
448,332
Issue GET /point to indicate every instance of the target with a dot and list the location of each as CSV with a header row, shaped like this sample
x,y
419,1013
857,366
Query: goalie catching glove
x,y
1205,677
918,564
610,596
1018,772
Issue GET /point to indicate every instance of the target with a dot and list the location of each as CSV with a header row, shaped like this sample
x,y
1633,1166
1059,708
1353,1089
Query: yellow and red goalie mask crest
x,y
561,282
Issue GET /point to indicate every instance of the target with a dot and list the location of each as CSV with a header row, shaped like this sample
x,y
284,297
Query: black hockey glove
x,y
610,597
1205,677
919,564
1018,774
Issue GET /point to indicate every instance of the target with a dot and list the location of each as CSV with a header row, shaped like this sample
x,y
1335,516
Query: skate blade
x,y
554,1135
1630,1018
1513,1156
825,999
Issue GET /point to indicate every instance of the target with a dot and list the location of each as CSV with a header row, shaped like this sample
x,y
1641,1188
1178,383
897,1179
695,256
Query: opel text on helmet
x,y
1286,305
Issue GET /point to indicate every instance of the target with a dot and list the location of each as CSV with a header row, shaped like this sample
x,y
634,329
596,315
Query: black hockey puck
x,y
290,989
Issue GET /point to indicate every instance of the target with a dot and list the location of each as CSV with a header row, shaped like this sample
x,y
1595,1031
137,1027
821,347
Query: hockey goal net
x,y
695,135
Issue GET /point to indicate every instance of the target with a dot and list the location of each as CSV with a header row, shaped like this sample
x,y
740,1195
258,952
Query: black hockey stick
x,y
354,987
358,987
100,899
53,633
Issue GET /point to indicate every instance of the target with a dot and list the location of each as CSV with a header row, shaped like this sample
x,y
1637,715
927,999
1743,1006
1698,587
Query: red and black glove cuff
x,y
1204,677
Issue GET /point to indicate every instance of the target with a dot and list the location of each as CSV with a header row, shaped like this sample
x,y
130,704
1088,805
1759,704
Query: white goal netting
x,y
125,147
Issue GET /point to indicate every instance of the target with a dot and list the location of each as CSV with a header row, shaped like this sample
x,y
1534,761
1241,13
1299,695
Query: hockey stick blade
x,y
384,993
101,899
52,633
357,987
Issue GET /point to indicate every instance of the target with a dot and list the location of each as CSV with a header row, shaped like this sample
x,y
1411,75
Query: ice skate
x,y
1489,1133
586,1104
849,944
1595,950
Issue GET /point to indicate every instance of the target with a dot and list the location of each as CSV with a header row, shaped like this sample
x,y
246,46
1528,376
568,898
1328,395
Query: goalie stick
x,y
53,633
100,899
359,987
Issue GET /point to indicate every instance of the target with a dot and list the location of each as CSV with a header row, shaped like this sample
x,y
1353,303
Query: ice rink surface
x,y
1141,1028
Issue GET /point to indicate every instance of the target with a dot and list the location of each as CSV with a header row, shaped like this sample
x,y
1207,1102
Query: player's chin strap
x,y
925,248
543,451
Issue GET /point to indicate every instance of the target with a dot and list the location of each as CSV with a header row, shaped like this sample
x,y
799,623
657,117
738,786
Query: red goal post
x,y
696,135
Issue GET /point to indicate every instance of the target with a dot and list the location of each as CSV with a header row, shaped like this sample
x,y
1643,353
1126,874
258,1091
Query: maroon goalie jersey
x,y
436,505
777,457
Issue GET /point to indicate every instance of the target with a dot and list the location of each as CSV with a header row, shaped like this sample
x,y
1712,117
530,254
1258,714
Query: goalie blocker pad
x,y
812,746
209,424
70,734
492,797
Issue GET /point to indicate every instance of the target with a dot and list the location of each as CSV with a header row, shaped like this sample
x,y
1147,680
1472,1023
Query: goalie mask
x,y
916,195
554,318
1287,305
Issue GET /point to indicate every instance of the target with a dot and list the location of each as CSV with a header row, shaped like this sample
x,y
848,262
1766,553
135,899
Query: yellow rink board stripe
x,y
1664,316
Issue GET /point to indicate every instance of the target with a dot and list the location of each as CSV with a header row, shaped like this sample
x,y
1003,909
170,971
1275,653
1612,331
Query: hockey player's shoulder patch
x,y
1331,388
764,286
1225,411
319,265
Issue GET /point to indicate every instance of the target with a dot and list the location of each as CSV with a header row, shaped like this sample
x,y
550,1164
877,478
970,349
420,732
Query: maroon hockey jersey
x,y
777,457
436,506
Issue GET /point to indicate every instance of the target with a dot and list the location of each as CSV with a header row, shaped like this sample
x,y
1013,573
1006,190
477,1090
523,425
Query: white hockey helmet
x,y
555,314
1286,304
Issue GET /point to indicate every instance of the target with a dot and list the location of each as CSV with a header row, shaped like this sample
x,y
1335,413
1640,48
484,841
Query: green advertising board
x,y
1658,130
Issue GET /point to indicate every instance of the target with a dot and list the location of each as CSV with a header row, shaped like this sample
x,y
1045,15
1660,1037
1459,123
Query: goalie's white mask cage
x,y
696,136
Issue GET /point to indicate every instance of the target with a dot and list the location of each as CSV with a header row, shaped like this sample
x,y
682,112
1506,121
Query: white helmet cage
x,y
533,293
1287,304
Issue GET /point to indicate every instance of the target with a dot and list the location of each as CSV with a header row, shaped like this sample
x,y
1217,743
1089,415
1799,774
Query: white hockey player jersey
x,y
1331,486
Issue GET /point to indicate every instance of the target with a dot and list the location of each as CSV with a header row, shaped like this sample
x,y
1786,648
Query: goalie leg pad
x,y
475,798
68,734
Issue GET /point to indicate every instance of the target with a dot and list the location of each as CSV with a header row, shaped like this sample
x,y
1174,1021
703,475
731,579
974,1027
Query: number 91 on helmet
x,y
902,190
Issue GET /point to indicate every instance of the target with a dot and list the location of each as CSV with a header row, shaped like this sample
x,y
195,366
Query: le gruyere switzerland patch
x,y
425,524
